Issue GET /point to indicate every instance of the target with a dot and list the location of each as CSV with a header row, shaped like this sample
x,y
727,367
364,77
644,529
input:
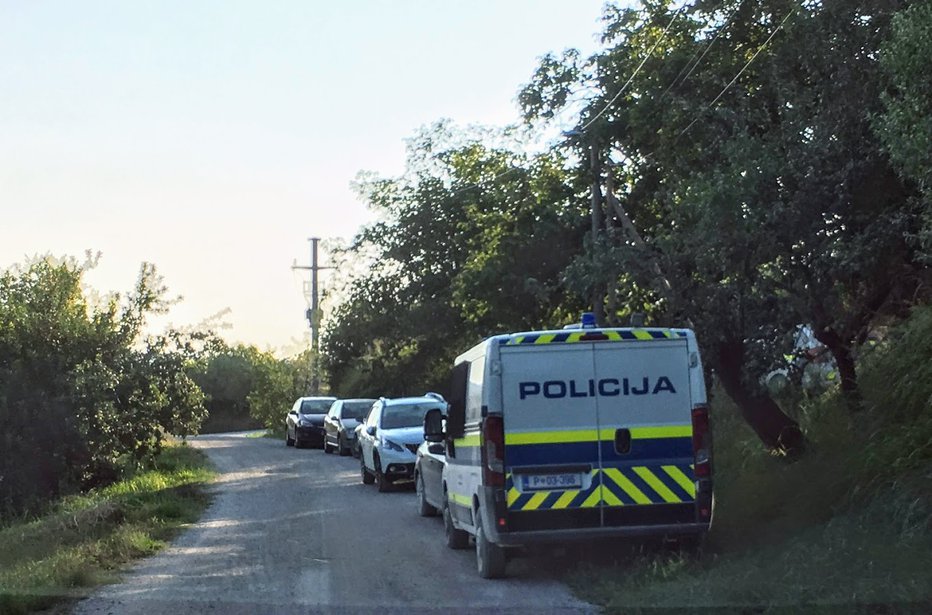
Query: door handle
x,y
623,441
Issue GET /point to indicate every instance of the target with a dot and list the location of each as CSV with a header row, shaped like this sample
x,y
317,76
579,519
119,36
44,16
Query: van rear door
x,y
551,435
645,431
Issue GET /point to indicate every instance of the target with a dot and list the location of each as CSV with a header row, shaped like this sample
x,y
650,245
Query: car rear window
x,y
357,409
316,406
407,415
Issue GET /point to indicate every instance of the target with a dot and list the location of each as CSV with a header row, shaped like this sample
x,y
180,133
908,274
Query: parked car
x,y
428,477
304,423
394,431
341,422
357,431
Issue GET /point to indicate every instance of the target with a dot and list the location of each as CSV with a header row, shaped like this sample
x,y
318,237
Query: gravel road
x,y
295,531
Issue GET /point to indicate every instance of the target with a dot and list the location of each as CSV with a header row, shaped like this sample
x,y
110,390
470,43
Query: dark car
x,y
428,473
304,424
340,424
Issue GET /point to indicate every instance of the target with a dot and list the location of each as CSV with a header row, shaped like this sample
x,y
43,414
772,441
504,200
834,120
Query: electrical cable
x,y
636,71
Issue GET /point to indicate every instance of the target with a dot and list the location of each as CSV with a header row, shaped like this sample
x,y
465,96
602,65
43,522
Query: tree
x,y
472,241
82,390
748,169
905,124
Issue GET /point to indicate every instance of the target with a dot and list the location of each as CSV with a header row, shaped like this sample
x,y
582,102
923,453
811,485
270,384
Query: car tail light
x,y
493,451
702,442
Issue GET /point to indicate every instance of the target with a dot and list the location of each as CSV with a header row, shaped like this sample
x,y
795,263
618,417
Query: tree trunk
x,y
775,429
844,360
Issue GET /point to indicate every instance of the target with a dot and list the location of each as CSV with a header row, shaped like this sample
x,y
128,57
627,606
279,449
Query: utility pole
x,y
598,294
595,192
313,314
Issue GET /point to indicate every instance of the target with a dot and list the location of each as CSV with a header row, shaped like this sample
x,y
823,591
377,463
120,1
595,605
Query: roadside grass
x,y
805,535
84,540
275,433
847,527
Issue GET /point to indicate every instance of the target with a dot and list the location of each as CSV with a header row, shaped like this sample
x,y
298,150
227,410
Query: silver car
x,y
341,422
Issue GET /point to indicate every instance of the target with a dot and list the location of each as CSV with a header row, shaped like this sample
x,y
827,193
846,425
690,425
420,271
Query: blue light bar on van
x,y
588,320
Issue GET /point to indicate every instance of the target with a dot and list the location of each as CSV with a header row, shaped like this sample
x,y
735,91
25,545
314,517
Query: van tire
x,y
490,558
289,441
456,539
341,446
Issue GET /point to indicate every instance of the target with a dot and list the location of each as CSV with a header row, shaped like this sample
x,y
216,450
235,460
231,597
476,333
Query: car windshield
x,y
315,406
406,415
357,409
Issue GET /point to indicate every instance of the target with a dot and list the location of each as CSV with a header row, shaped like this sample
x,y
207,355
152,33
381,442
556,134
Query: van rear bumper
x,y
515,539
672,520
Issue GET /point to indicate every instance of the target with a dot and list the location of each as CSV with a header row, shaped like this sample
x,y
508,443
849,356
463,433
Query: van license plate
x,y
539,482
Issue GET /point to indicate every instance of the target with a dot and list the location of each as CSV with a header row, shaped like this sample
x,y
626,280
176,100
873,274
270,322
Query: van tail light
x,y
493,451
702,442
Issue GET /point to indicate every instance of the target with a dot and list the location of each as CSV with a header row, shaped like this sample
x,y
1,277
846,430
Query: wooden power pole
x,y
313,314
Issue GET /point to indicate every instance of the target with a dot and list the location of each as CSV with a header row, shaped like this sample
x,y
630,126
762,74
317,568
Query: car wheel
x,y
490,558
341,446
423,508
456,539
298,442
367,478
381,482
289,441
327,448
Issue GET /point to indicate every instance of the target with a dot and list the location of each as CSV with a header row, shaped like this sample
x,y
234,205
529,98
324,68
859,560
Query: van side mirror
x,y
433,426
370,430
456,414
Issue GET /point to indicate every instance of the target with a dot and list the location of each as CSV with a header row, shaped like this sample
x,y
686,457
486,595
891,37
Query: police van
x,y
573,434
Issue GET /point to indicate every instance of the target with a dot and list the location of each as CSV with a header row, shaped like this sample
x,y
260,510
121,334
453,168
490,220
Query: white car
x,y
393,432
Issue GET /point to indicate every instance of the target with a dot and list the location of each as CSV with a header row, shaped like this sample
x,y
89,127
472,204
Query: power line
x,y
705,51
740,72
636,71
698,116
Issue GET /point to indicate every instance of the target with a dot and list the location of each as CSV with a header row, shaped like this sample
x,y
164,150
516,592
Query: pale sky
x,y
212,138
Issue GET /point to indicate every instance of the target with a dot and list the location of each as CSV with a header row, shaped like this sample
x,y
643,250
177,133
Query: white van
x,y
575,434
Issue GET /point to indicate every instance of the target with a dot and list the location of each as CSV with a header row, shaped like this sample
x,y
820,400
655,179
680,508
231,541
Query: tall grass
x,y
847,527
84,539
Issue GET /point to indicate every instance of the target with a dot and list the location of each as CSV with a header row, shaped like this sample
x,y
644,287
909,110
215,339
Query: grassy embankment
x,y
845,528
84,539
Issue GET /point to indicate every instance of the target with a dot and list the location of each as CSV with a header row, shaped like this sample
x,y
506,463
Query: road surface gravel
x,y
295,531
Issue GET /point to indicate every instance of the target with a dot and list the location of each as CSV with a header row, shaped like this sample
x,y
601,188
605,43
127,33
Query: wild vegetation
x,y
83,539
83,393
87,393
741,167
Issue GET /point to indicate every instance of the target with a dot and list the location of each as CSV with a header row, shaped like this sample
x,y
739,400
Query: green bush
x,y
83,392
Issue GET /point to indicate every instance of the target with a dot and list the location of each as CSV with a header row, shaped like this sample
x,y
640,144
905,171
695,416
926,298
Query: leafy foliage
x,y
276,384
759,165
472,240
82,392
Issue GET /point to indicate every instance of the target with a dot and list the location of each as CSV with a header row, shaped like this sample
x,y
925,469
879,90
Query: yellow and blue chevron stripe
x,y
614,486
570,337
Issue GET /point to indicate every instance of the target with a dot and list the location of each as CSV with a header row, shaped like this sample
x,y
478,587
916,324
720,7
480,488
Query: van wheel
x,y
327,448
490,558
341,446
456,539
423,508
289,441
367,478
